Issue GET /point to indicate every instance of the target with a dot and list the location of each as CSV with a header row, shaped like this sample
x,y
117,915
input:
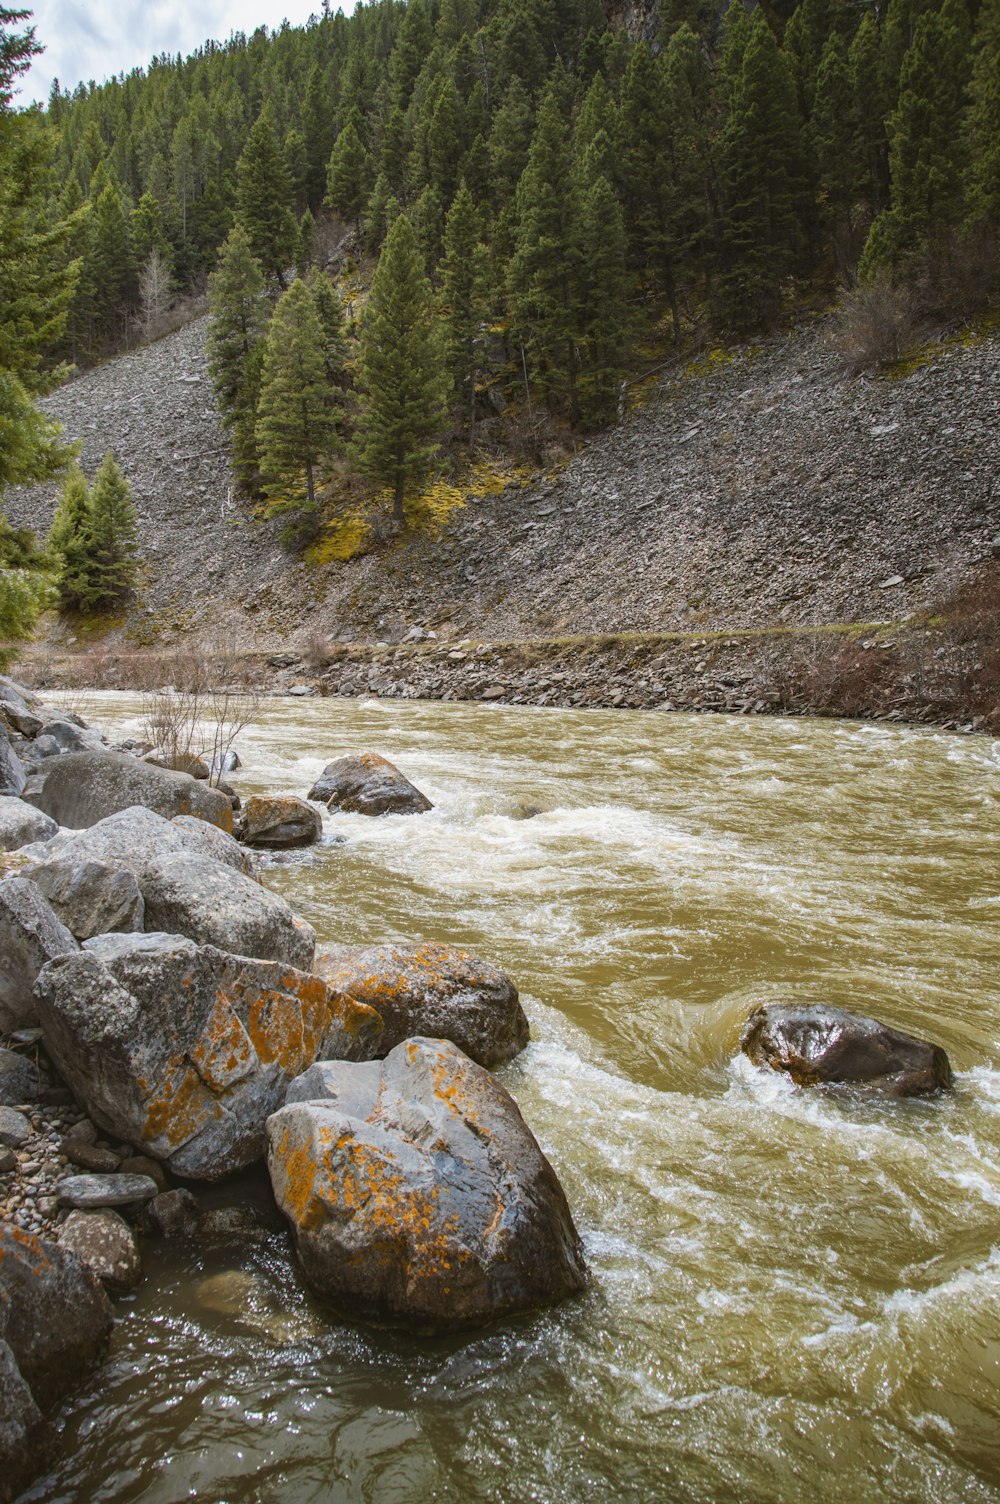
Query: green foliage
x,y
297,414
263,197
402,375
111,541
982,126
238,323
464,289
69,541
347,175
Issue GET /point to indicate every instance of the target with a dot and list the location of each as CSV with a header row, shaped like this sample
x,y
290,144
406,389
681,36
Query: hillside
x,y
762,489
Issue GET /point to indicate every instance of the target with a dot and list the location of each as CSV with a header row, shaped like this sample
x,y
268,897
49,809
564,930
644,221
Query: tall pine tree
x,y
238,323
402,374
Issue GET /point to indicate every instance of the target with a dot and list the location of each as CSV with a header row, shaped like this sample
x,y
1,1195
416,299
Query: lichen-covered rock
x,y
417,1194
183,1049
107,1245
280,823
30,935
368,784
80,788
194,895
12,774
439,991
817,1046
21,823
89,897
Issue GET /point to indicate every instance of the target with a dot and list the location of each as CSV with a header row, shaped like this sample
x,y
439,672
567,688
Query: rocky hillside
x,y
757,489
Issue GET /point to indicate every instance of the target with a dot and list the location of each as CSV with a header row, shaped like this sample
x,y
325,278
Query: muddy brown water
x,y
794,1297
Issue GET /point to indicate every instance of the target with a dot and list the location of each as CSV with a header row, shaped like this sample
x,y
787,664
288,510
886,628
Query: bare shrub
x,y
316,651
877,323
202,702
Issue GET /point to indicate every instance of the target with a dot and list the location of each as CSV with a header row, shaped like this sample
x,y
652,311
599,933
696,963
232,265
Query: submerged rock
x,y
80,788
185,1050
368,784
418,1195
279,824
54,1322
817,1046
435,990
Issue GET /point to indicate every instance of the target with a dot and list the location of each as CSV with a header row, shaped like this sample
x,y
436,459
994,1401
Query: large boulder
x,y
80,788
89,897
368,784
58,737
821,1046
55,1320
185,1050
417,1194
279,823
21,823
194,895
197,835
12,774
20,1079
107,1245
30,935
135,837
437,990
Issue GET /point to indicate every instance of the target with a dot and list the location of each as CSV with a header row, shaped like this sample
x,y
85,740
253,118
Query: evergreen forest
x,y
416,216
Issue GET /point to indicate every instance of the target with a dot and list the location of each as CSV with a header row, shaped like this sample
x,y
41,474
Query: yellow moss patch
x,y
341,540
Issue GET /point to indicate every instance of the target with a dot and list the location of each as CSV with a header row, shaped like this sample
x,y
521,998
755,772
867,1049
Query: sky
x,y
95,39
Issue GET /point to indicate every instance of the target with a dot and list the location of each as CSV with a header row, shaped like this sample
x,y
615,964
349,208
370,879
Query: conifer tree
x,y
762,182
330,312
263,201
982,125
925,136
603,300
834,139
402,375
347,175
239,317
543,274
297,413
69,541
112,565
464,284
647,130
109,267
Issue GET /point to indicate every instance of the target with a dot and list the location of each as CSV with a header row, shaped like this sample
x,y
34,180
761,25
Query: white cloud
x,y
99,39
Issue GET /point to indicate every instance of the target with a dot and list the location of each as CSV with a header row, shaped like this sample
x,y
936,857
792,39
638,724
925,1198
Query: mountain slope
x,y
758,489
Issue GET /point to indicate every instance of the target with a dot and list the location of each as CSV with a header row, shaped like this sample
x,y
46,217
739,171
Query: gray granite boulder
x,y
417,1194
20,1079
57,737
12,774
95,1192
194,895
368,784
89,897
55,1320
198,835
80,788
21,823
184,1049
30,935
818,1045
279,823
440,991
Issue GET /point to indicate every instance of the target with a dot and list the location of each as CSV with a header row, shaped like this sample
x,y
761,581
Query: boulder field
x,y
160,1005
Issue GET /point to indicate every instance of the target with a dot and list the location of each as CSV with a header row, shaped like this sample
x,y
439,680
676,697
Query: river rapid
x,y
794,1296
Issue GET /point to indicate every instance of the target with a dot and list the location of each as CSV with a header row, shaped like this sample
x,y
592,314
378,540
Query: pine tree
x,y
297,413
834,138
402,375
982,125
761,170
330,312
347,175
925,141
263,201
464,284
543,275
69,541
239,317
112,565
603,302
109,267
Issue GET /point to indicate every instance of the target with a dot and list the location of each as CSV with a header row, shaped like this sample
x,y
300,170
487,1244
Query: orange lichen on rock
x,y
223,1053
180,1107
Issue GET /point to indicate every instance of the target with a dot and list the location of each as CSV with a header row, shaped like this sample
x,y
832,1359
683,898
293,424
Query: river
x,y
794,1296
